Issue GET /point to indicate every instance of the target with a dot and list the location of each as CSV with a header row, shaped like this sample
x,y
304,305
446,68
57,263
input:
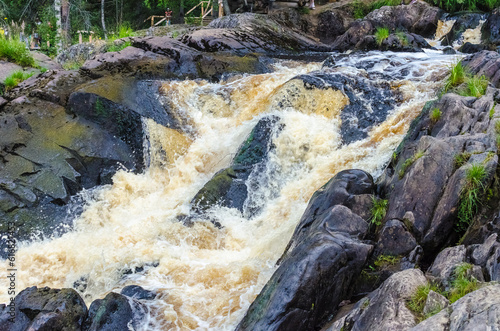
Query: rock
x,y
401,42
413,259
481,253
469,48
332,23
45,62
435,302
7,69
485,63
394,239
357,31
227,187
385,308
137,292
45,309
115,312
81,52
463,22
419,17
490,32
478,310
444,264
450,50
493,265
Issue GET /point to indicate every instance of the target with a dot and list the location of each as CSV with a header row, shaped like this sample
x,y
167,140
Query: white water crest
x,y
206,276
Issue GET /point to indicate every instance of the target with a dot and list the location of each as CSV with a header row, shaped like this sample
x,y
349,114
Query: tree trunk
x,y
57,8
65,23
102,20
181,9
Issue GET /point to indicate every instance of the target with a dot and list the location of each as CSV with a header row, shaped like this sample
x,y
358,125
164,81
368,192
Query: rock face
x,y
401,42
320,262
227,187
485,63
45,309
478,310
385,308
490,31
332,23
115,312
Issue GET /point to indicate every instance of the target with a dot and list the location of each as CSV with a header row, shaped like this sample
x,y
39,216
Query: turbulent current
x,y
206,276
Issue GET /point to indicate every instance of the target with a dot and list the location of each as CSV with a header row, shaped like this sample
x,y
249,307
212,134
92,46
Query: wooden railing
x,y
205,5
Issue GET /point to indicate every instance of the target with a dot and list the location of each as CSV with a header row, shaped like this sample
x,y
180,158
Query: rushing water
x,y
207,276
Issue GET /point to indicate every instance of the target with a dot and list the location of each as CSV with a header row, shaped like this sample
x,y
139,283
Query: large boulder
x,y
332,24
44,309
115,312
490,32
479,310
485,63
385,308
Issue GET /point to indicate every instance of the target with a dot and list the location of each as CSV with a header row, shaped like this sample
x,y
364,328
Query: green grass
x,y
402,38
116,48
408,162
452,6
457,76
125,31
492,110
461,159
359,9
477,86
462,283
381,34
435,115
303,10
378,211
470,195
15,78
386,260
417,302
15,51
381,3
73,65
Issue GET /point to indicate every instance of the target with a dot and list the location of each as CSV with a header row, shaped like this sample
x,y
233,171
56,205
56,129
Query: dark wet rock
x,y
137,292
469,48
493,265
394,239
481,253
490,32
227,187
115,312
45,309
413,259
384,308
250,33
401,42
463,22
478,310
419,18
485,63
450,50
332,24
369,101
357,31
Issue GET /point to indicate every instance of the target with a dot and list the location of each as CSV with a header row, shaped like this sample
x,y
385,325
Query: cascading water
x,y
206,276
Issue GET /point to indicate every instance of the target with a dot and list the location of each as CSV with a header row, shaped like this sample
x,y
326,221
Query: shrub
x,y
15,78
470,195
435,115
15,51
379,209
381,34
402,38
125,31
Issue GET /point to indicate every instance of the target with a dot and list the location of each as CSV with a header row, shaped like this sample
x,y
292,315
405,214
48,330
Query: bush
x,y
435,115
381,34
15,78
15,51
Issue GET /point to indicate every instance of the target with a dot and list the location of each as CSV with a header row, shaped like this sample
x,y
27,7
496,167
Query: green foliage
x,y
408,162
379,209
417,302
381,34
125,31
15,51
116,48
359,9
193,20
477,86
381,3
492,110
435,115
386,260
15,78
461,159
462,283
303,10
457,76
452,6
73,65
48,31
402,38
470,195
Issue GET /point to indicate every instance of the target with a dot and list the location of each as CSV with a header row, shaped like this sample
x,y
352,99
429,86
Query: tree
x,y
102,21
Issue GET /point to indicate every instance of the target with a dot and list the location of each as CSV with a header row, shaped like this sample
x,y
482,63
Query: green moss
x,y
73,65
215,189
408,162
378,210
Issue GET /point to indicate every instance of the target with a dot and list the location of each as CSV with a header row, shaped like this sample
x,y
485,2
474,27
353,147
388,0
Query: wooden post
x,y
80,38
152,20
90,38
221,8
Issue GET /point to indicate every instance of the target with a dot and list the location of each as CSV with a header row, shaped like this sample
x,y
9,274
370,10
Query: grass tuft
x,y
435,115
379,209
408,162
462,283
461,159
15,51
457,76
477,86
116,48
381,34
386,260
470,195
417,302
15,78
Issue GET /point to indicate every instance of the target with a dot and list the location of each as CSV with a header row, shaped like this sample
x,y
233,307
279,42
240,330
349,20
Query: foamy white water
x,y
206,277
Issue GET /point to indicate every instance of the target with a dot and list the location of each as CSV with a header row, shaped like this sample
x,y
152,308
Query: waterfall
x,y
206,276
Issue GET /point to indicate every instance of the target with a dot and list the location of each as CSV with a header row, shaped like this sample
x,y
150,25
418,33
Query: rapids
x,y
205,276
